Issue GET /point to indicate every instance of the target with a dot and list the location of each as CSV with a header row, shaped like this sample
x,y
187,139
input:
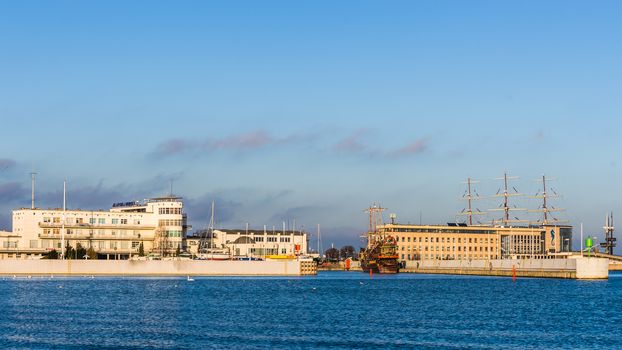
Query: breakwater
x,y
573,268
157,267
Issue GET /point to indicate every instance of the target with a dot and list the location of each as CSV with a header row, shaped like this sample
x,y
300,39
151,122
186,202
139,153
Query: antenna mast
x,y
32,204
610,241
62,230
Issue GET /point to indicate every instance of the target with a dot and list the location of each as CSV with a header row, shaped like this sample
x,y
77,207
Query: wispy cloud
x,y
244,142
352,143
416,147
355,144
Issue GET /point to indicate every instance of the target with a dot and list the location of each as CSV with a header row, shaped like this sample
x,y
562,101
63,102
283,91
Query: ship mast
x,y
545,208
469,197
505,206
375,219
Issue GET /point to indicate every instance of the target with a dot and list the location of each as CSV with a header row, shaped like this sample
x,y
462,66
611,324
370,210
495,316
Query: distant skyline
x,y
312,111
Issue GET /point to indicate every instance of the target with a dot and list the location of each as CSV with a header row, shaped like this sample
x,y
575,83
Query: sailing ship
x,y
380,256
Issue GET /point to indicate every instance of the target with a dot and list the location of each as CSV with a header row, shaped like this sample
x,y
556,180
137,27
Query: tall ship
x,y
381,255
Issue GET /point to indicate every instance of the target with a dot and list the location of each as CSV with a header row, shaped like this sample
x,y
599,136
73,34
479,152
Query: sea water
x,y
346,310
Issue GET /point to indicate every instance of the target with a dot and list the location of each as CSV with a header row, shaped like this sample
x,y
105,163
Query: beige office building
x,y
158,223
461,242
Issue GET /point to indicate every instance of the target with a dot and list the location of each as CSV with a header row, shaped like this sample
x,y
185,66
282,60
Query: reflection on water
x,y
332,310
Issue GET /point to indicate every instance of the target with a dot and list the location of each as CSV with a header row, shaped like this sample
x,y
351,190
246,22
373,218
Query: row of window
x,y
92,221
9,244
164,211
167,222
439,230
100,232
47,244
173,233
448,240
450,249
263,251
273,239
445,257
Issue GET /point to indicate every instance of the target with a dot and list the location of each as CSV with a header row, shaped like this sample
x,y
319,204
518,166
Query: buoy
x,y
371,273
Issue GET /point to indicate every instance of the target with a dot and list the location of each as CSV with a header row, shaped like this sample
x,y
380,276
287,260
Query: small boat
x,y
213,254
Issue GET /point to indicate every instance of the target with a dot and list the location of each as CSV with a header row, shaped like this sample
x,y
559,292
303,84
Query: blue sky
x,y
311,110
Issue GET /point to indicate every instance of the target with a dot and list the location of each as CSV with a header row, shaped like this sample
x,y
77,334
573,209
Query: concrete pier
x,y
157,268
571,268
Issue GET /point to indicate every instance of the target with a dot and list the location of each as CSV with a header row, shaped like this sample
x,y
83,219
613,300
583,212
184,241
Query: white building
x,y
158,223
252,243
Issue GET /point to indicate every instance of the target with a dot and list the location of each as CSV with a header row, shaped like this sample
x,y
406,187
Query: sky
x,y
312,111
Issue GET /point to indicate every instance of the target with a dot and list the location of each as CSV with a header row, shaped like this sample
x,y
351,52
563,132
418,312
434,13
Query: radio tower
x,y
505,206
610,241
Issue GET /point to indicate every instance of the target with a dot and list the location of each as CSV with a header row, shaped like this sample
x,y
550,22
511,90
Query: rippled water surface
x,y
332,310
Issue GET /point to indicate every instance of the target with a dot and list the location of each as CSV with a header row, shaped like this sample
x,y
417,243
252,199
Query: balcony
x,y
83,225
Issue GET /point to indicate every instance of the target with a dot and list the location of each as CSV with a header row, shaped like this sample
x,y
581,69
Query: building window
x,y
92,221
33,243
101,221
115,221
123,221
46,220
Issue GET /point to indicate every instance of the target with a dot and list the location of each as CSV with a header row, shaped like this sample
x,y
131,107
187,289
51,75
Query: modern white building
x,y
252,243
159,224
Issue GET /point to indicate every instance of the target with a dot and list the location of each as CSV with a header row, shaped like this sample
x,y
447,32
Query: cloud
x,y
301,213
416,147
5,222
247,141
244,142
13,192
102,196
6,163
172,147
352,143
199,210
339,236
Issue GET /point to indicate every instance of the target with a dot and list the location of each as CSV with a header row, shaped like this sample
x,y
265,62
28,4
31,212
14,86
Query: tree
x,y
346,252
141,249
69,252
91,253
332,254
52,254
80,251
